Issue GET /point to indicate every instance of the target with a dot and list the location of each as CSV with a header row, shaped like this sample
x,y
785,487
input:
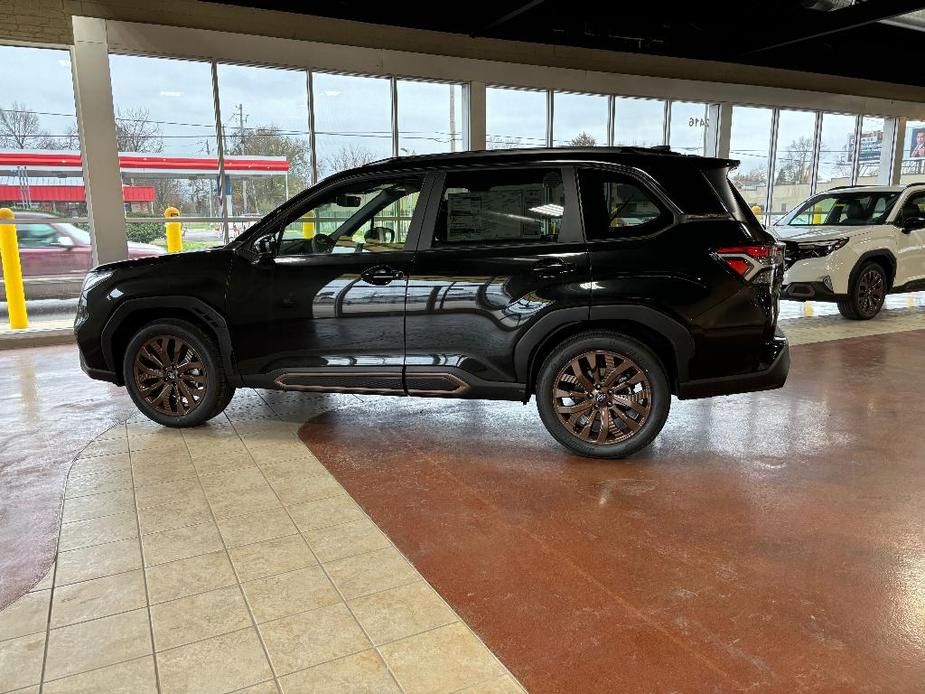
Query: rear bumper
x,y
771,374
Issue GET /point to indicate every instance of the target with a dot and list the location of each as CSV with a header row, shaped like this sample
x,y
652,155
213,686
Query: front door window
x,y
367,217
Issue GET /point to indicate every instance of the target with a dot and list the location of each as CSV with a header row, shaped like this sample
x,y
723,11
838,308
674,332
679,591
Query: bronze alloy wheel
x,y
602,397
170,375
871,291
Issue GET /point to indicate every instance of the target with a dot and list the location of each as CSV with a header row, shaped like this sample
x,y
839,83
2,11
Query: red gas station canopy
x,y
70,163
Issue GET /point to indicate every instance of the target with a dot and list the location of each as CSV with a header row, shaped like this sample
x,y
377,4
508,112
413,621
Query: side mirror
x,y
348,200
265,249
62,242
912,223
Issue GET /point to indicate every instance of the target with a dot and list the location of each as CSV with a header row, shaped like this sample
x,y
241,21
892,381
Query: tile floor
x,y
226,558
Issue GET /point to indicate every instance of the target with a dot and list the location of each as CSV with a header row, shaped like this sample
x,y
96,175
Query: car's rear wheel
x,y
173,372
603,395
866,293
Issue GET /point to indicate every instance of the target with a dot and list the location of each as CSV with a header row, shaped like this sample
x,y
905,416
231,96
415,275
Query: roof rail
x,y
655,149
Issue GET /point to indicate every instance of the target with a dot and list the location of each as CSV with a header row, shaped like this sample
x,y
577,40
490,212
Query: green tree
x,y
583,139
265,192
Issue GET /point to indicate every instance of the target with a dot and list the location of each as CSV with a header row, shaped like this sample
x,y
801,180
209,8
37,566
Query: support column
x,y
475,116
719,131
892,151
856,150
96,123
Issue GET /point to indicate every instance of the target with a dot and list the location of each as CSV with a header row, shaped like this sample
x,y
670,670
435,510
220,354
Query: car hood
x,y
171,259
145,248
800,234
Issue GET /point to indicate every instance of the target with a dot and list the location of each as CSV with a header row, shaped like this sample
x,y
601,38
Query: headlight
x,y
90,281
93,278
819,249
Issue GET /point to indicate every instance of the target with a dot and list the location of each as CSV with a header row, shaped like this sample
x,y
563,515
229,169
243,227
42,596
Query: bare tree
x,y
347,157
19,127
136,132
796,164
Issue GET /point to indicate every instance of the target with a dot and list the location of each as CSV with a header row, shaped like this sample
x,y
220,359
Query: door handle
x,y
381,275
552,267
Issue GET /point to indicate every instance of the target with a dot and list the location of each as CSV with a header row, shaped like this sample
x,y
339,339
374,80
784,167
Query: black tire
x,y
183,344
582,432
224,402
867,292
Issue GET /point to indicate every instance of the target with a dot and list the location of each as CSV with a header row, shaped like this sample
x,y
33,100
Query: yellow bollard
x,y
174,231
756,210
808,309
12,272
308,228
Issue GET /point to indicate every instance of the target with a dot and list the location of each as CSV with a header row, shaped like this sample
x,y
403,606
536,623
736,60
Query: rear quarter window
x,y
732,201
618,206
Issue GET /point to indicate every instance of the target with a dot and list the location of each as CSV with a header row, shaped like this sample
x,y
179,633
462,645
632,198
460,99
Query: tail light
x,y
755,264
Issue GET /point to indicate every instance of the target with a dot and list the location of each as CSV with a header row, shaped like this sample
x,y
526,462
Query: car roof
x,y
24,214
869,189
632,156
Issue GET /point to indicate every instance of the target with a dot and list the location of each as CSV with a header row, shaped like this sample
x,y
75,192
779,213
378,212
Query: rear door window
x,y
617,206
506,206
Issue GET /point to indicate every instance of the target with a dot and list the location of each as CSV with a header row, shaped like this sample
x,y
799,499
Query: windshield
x,y
842,209
82,236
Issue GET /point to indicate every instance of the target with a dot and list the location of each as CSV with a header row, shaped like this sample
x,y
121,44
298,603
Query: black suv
x,y
600,280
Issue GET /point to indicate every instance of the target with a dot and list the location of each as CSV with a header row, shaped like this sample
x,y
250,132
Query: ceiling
x,y
882,40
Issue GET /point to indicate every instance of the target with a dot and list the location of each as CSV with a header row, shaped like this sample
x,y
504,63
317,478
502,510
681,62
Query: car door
x,y
910,242
38,254
77,251
500,249
326,311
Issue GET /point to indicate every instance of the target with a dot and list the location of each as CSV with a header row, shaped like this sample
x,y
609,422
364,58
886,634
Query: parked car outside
x,y
854,245
599,280
55,256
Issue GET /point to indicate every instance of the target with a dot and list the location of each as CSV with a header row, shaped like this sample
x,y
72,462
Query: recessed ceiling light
x,y
549,210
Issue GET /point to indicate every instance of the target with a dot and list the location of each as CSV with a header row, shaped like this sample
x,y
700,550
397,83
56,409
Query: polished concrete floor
x,y
48,411
771,541
766,542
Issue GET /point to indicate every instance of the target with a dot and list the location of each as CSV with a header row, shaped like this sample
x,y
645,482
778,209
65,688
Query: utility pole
x,y
241,151
452,117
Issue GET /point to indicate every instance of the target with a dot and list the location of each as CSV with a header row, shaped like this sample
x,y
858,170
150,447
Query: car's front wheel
x,y
173,372
603,395
866,293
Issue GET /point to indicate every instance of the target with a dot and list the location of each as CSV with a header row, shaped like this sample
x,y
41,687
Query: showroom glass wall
x,y
804,152
278,130
41,179
517,117
225,143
